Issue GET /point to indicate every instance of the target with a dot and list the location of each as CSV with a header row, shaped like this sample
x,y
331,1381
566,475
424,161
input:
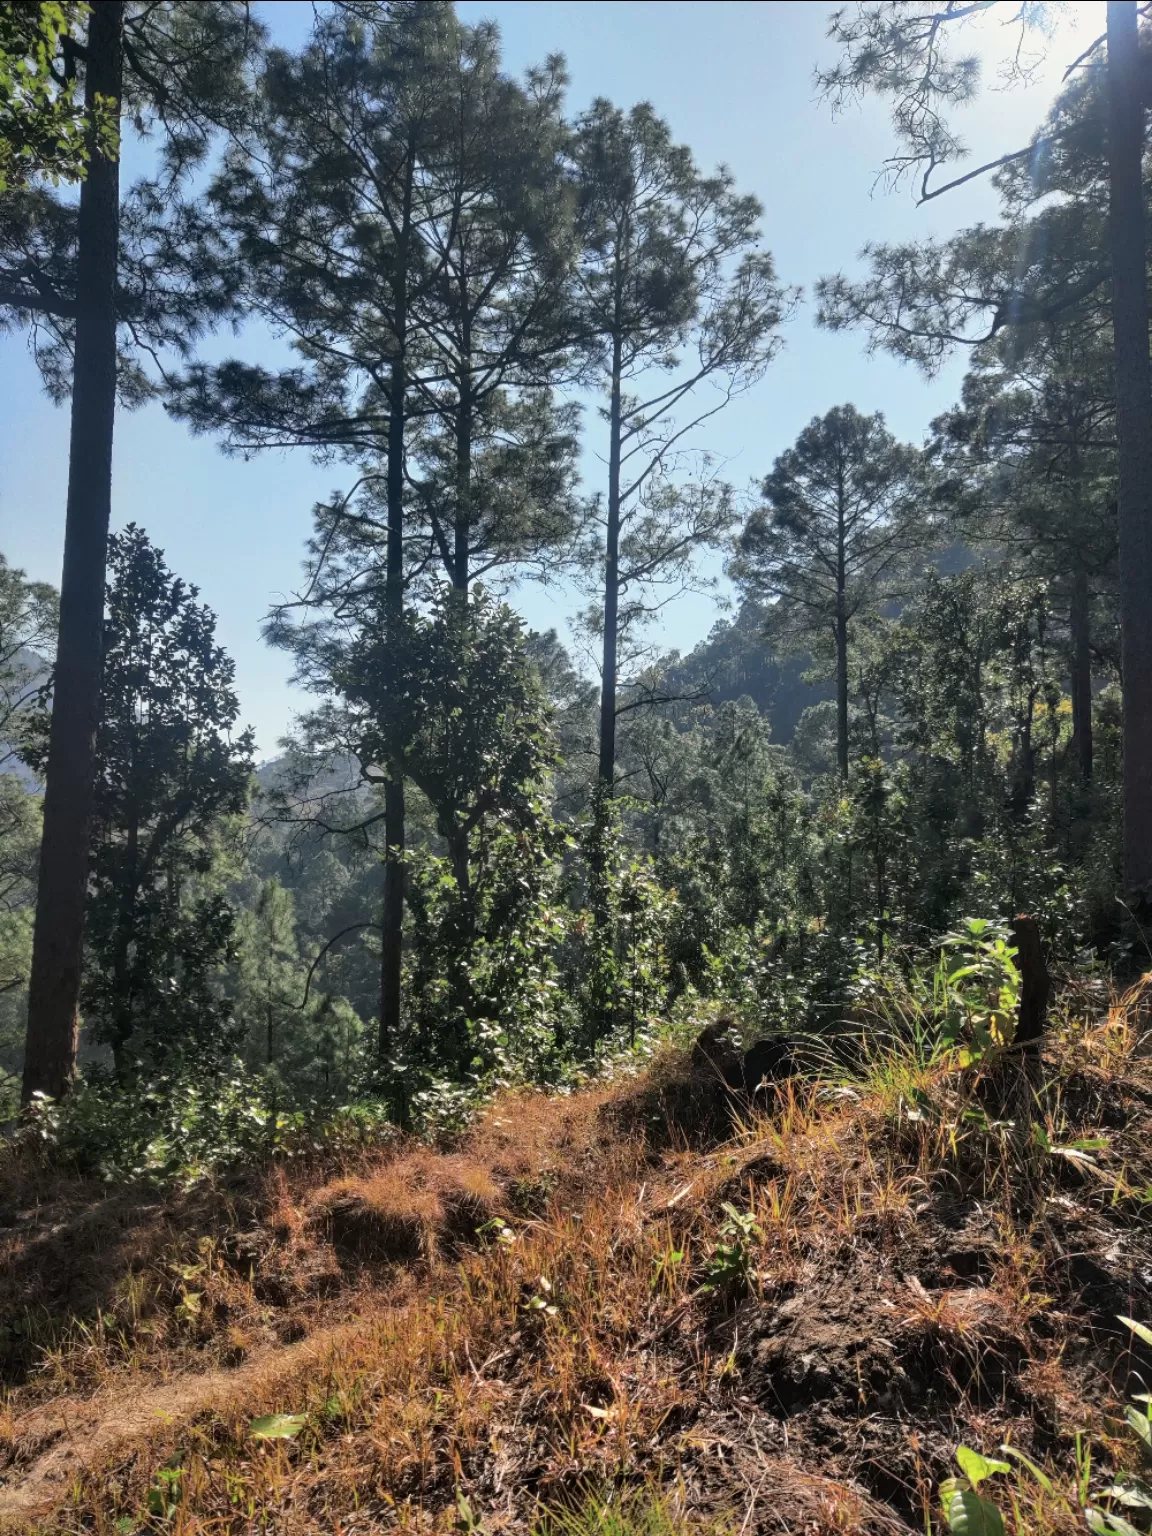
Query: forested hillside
x,y
575,1083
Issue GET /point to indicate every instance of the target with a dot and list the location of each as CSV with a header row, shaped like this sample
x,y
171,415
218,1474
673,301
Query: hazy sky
x,y
735,82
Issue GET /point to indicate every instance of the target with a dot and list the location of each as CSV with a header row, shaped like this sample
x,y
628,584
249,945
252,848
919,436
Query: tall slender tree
x,y
57,952
495,453
1127,97
671,291
1033,442
841,516
80,274
389,214
322,212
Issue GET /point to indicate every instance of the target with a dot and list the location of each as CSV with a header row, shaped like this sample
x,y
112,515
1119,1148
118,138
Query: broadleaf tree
x,y
171,770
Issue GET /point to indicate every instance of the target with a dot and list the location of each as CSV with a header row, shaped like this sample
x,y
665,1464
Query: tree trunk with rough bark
x,y
58,943
1133,430
462,530
841,622
1035,982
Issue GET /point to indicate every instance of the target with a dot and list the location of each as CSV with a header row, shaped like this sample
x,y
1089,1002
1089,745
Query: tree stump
x,y
1035,984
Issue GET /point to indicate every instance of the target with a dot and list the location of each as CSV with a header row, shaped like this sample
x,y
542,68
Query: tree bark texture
x,y
841,619
392,948
1133,430
1035,983
58,942
462,530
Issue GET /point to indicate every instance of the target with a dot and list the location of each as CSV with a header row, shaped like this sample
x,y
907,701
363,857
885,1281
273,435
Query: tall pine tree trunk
x,y
1133,430
462,531
841,637
841,687
58,944
1081,673
392,921
611,583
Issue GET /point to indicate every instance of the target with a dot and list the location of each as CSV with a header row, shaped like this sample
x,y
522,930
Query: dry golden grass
x,y
913,1274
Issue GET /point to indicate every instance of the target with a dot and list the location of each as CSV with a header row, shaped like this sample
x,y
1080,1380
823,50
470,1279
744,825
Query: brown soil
x,y
533,1313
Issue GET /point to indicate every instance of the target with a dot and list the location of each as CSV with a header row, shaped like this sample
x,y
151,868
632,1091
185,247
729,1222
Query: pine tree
x,y
53,1022
841,519
923,300
669,283
1127,216
392,214
76,273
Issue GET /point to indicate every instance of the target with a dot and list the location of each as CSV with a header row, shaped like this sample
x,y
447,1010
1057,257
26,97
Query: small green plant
x,y
1133,1492
728,1268
469,1521
164,1494
666,1269
978,998
1078,1152
496,1231
540,1300
647,1510
968,1512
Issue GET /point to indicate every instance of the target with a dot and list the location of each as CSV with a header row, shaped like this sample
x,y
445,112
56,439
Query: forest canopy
x,y
475,860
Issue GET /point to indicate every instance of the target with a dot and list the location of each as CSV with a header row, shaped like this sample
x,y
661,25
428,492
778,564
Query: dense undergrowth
x,y
642,1306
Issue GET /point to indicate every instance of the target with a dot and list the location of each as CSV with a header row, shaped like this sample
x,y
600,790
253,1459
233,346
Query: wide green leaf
x,y
1108,1525
277,1426
970,1515
1132,1494
976,1467
1141,1423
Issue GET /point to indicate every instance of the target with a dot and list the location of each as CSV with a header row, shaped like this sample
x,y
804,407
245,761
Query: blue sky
x,y
735,82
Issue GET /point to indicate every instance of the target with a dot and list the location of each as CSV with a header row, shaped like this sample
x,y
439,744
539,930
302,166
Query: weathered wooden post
x,y
1035,983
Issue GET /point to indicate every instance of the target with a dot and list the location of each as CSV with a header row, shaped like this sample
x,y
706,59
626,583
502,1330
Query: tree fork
x,y
58,941
1133,431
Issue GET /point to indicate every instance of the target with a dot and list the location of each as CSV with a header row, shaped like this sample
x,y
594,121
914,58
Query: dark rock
x,y
715,1055
767,1061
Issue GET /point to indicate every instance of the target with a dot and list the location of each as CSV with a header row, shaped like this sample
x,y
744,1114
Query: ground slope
x,y
784,1325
